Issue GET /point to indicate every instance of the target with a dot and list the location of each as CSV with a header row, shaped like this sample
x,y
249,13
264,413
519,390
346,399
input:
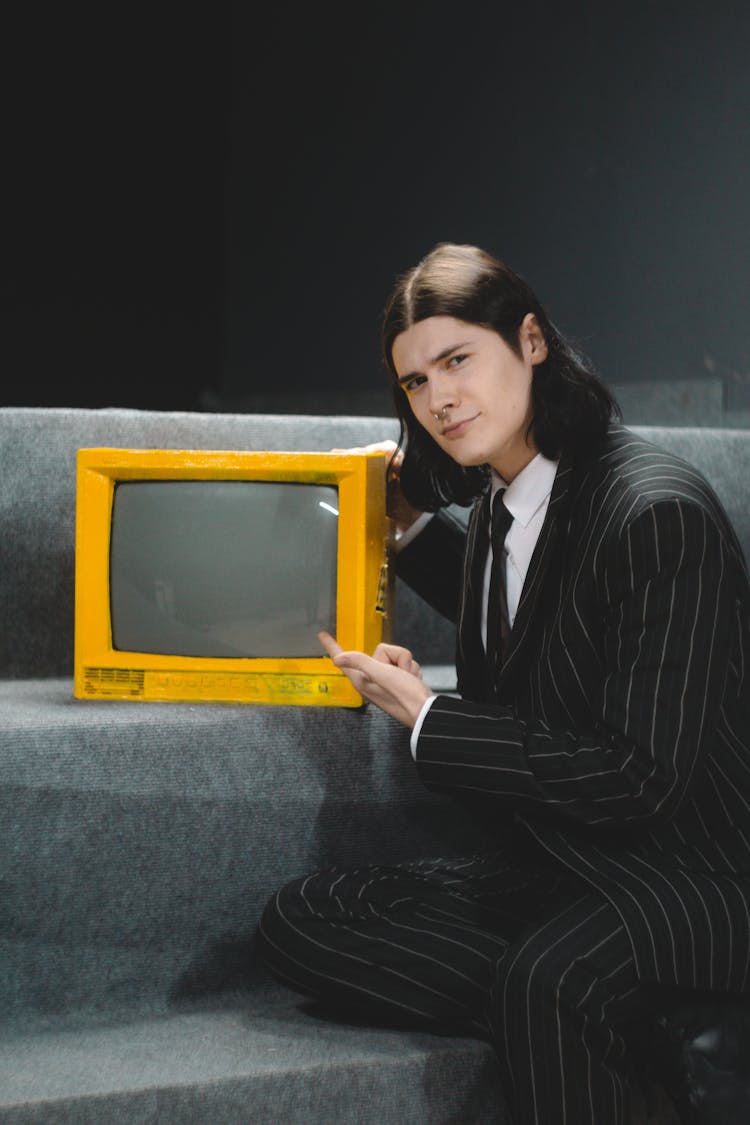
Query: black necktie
x,y
498,625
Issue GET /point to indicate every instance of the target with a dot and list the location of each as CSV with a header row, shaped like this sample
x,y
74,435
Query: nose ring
x,y
437,417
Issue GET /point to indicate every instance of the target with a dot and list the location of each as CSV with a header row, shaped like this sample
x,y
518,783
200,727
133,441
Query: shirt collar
x,y
528,491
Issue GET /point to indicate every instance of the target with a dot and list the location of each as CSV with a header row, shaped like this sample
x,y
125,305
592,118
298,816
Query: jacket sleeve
x,y
437,583
669,623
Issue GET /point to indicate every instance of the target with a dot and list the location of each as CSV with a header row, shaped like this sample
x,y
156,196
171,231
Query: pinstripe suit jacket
x,y
620,732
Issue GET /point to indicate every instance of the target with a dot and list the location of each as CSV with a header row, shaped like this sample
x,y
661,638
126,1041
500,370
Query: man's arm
x,y
667,637
432,563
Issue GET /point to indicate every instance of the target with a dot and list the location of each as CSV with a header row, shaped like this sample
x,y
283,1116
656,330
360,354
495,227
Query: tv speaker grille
x,y
113,681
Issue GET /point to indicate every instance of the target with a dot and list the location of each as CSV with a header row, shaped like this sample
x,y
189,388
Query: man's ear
x,y
531,337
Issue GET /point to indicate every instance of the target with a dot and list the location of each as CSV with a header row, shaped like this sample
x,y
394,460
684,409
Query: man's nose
x,y
442,395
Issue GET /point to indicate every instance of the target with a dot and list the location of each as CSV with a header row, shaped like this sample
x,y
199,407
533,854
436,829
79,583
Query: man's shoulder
x,y
629,463
627,476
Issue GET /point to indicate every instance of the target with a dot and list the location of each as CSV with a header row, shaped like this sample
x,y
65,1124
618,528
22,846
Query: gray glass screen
x,y
223,568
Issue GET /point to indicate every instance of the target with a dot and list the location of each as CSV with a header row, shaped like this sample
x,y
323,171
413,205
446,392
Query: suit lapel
x,y
469,649
541,571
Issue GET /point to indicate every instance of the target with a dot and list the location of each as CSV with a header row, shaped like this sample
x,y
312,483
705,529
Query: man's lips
x,y
458,429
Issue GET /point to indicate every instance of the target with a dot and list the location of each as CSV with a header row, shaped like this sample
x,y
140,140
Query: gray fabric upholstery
x,y
141,841
138,842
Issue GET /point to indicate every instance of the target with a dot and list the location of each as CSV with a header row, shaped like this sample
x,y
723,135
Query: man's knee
x,y
305,906
288,909
527,979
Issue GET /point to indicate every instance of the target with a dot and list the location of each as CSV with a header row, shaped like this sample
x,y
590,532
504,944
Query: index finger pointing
x,y
330,644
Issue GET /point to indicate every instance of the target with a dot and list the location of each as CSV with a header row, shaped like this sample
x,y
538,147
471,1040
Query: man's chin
x,y
466,458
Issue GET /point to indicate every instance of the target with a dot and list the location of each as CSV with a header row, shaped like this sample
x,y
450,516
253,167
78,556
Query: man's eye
x,y
455,360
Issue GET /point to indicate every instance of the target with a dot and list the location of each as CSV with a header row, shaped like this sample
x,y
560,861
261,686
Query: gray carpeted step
x,y
140,842
277,1065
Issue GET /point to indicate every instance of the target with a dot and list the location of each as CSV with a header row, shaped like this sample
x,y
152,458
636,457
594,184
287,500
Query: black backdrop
x,y
207,209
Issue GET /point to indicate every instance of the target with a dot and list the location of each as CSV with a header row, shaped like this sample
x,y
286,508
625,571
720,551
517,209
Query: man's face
x,y
479,388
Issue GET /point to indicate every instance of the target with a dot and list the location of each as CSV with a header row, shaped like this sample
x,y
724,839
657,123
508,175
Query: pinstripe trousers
x,y
524,955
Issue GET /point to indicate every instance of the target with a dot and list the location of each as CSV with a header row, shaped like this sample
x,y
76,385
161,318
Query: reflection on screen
x,y
223,568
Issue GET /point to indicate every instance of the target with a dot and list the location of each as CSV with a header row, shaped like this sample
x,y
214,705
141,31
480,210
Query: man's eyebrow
x,y
435,359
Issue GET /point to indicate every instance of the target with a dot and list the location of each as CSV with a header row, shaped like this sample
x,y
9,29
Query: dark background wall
x,y
115,152
208,210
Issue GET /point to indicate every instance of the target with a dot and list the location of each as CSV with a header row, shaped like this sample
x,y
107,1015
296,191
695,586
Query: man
x,y
603,724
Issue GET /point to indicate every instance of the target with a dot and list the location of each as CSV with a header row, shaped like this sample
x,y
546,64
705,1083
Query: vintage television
x,y
206,575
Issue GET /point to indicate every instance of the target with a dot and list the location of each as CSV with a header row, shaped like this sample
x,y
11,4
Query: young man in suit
x,y
603,724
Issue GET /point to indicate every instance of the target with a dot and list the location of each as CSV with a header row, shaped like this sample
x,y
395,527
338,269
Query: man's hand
x,y
390,678
398,507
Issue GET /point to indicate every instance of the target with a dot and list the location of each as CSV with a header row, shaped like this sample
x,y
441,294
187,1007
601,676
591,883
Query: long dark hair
x,y
571,406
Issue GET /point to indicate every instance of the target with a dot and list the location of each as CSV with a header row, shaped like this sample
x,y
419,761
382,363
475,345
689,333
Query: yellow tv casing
x,y
363,592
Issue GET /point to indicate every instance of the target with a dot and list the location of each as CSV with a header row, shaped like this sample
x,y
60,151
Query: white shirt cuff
x,y
418,725
401,539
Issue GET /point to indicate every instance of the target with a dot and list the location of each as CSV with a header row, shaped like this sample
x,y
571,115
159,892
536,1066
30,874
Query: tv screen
x,y
223,568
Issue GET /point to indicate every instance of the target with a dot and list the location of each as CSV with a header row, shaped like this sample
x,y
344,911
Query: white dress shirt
x,y
527,499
